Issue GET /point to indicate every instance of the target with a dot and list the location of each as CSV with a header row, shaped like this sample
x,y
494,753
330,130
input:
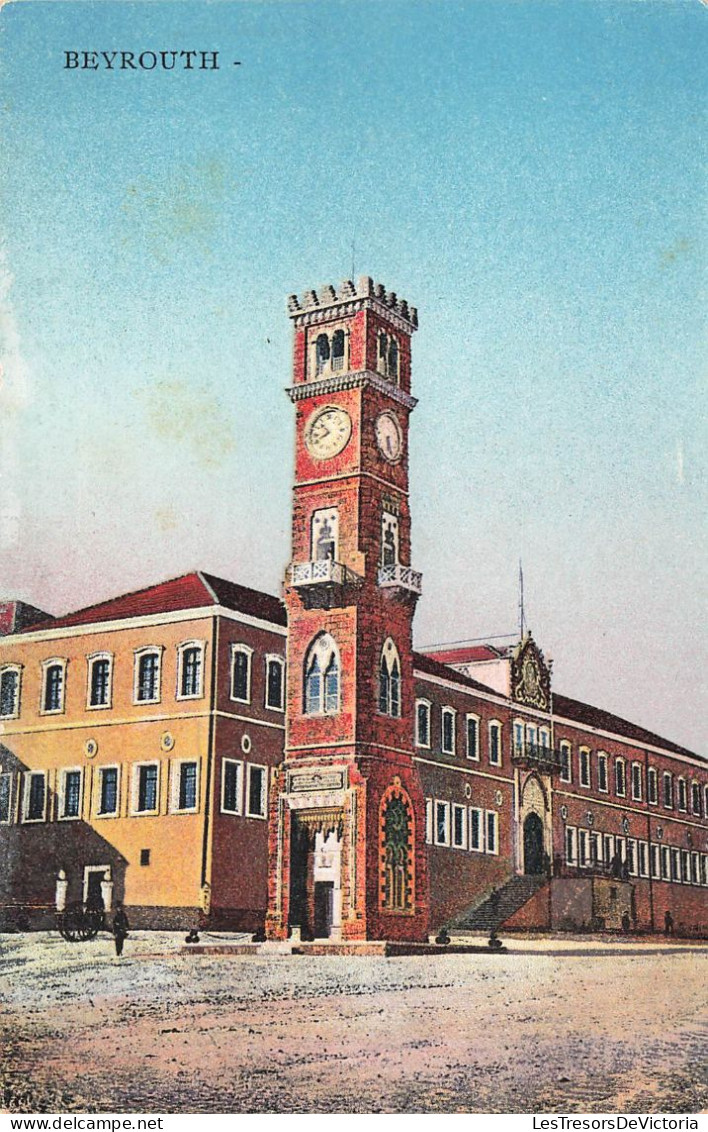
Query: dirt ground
x,y
571,1026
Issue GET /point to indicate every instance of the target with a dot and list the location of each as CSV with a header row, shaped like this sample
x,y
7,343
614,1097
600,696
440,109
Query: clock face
x,y
328,432
389,437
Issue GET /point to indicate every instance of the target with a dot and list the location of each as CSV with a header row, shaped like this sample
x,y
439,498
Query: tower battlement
x,y
348,292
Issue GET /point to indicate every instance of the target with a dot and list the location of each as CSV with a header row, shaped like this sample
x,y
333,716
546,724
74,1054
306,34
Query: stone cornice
x,y
357,380
314,307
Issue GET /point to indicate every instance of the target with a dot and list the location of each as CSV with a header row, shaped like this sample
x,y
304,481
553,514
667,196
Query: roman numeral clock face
x,y
327,432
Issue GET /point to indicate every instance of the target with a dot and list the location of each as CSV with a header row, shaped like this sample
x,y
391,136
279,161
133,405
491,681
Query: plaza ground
x,y
577,1025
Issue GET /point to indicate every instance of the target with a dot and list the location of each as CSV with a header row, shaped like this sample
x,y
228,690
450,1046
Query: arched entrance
x,y
533,845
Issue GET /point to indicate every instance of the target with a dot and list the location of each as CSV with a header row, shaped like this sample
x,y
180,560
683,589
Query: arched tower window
x,y
322,677
390,680
338,349
325,534
392,360
322,351
396,850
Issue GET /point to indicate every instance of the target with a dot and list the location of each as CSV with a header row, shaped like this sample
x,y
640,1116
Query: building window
x,y
696,799
492,832
145,788
190,670
566,774
682,794
256,792
241,673
389,539
429,821
652,786
146,688
584,758
602,772
5,797
35,795
473,737
184,786
108,791
390,680
518,738
705,800
324,535
476,830
70,794
396,820
608,849
620,778
668,783
636,782
392,360
275,683
10,692
495,743
685,866
338,350
571,843
655,862
322,352
582,848
442,823
665,863
695,869
322,677
459,826
99,682
448,730
53,684
231,786
675,865
422,723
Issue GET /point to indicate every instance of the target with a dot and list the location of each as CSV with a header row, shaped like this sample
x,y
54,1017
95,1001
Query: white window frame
x,y
480,848
17,706
90,661
181,650
61,816
135,789
583,845
457,809
566,745
696,792
675,855
495,723
138,654
544,738
531,735
241,649
446,809
602,759
448,712
667,776
584,780
429,821
98,813
631,856
427,705
685,866
665,863
619,761
10,776
52,662
250,767
175,782
238,763
518,731
274,658
608,849
26,785
493,817
636,794
571,846
104,870
655,861
695,867
643,866
595,847
472,719
681,795
653,775
704,869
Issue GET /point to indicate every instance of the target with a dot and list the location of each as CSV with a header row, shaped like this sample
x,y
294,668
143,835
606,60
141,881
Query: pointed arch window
x,y
322,351
392,360
322,677
390,680
338,349
396,851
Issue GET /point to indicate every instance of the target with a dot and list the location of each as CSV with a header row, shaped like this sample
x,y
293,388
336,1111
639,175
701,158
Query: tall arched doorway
x,y
533,845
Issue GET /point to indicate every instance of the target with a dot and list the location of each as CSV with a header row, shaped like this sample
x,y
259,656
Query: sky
x,y
530,175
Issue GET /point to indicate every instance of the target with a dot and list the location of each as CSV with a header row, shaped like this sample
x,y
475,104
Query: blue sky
x,y
531,175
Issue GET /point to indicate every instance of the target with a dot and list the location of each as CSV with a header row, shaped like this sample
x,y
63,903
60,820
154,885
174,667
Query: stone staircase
x,y
494,909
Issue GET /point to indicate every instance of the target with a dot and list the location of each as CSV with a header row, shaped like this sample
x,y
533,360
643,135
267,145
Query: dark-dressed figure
x,y
120,928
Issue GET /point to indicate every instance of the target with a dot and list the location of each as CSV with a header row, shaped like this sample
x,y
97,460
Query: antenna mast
x,y
522,618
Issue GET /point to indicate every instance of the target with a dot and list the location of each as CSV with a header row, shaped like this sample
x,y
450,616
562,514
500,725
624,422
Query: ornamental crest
x,y
530,675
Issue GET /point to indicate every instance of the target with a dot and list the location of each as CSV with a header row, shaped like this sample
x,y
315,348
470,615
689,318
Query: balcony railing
x,y
321,572
401,576
531,754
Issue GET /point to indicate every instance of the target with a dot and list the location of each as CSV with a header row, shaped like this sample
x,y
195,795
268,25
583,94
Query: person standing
x,y
120,927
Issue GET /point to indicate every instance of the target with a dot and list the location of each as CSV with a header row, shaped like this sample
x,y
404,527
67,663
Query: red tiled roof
x,y
190,591
469,654
578,712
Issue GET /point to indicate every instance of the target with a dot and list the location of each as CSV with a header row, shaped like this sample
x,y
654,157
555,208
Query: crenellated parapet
x,y
364,292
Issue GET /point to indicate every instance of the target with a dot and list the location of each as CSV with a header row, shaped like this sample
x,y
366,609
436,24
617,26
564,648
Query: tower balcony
x,y
322,583
534,757
400,577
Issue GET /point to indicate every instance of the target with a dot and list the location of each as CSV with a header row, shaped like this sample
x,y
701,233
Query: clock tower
x,y
347,832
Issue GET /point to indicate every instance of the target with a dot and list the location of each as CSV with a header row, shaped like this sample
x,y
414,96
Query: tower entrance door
x,y
316,876
324,908
533,845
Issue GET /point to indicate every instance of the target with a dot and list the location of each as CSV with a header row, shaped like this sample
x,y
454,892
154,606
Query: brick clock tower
x,y
347,832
